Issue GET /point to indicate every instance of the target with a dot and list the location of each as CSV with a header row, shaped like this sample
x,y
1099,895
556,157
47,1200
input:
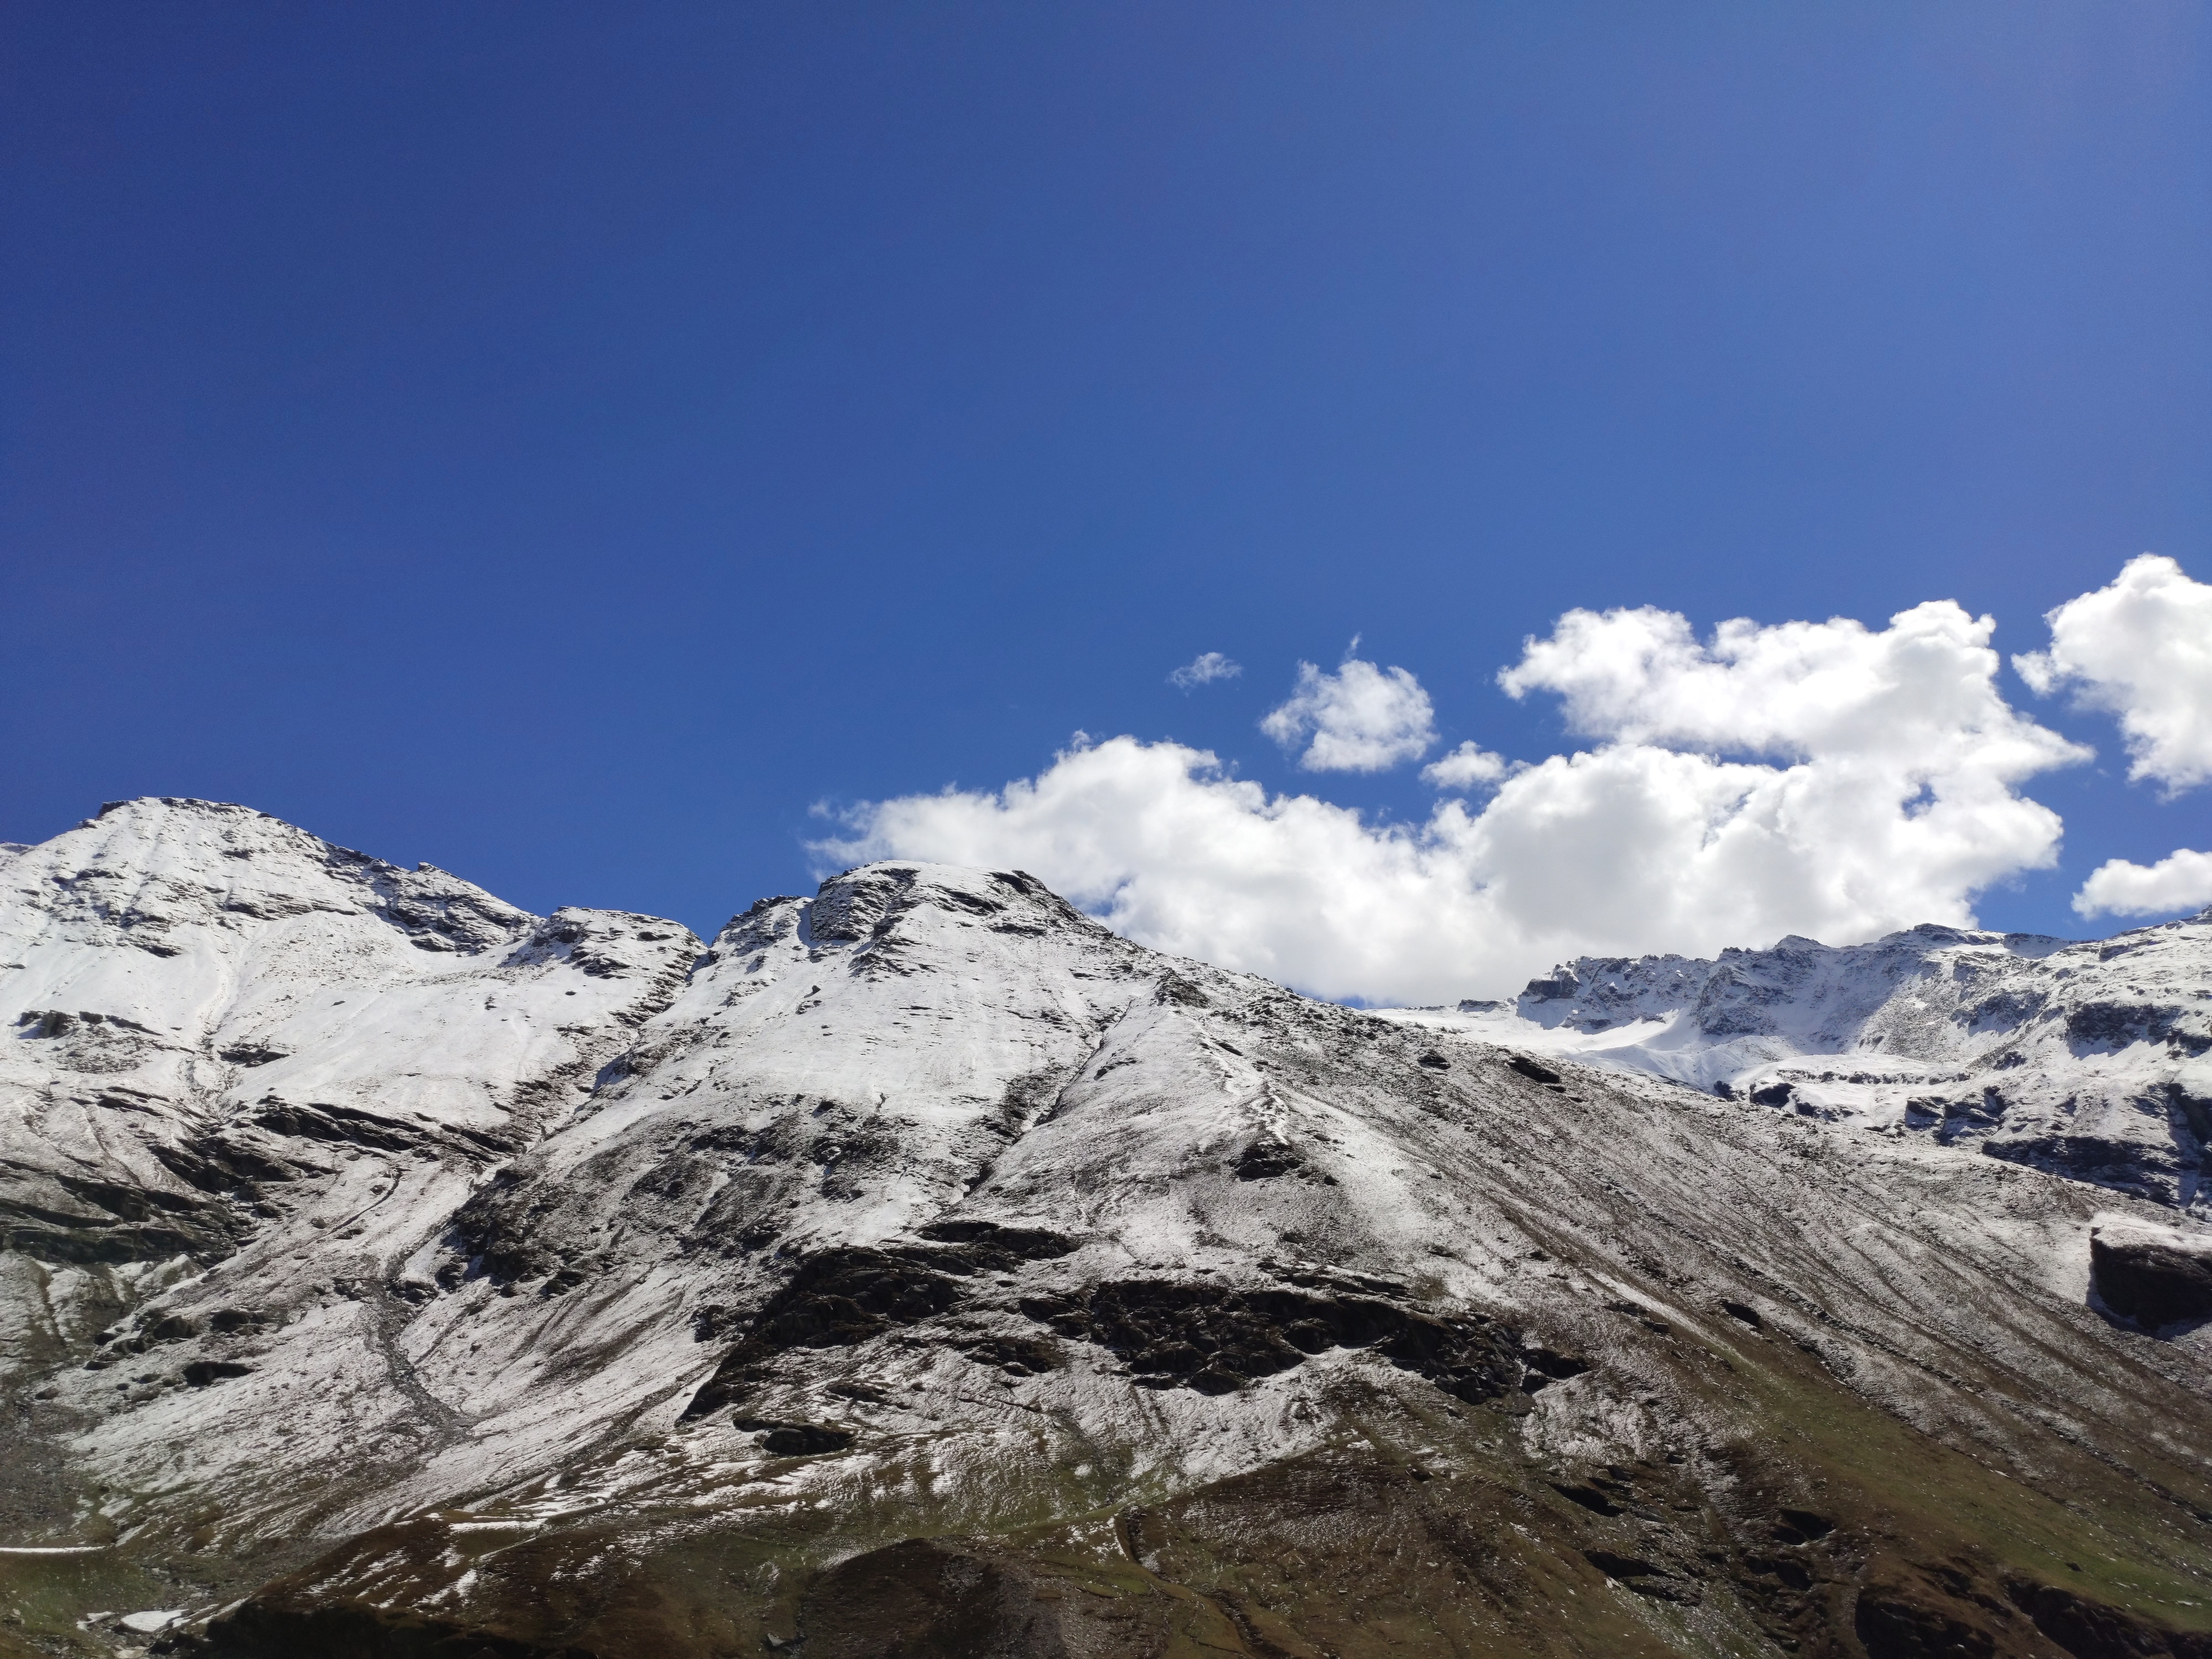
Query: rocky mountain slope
x,y
921,1269
2092,1061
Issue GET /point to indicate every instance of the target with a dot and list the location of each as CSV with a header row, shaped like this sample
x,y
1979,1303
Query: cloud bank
x,y
1824,778
1361,718
2180,881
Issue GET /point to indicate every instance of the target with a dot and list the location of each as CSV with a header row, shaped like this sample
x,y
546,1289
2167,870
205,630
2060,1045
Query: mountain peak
x,y
870,900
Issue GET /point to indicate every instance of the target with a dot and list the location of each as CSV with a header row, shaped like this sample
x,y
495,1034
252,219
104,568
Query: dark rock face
x,y
86,1219
1267,1160
1922,1610
994,1247
202,1372
1016,1356
866,904
1215,1339
2090,1630
2151,1280
796,1439
1913,1612
844,1297
355,1631
2113,1024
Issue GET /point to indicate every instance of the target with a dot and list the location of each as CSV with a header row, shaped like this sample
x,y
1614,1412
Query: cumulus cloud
x,y
1820,778
1361,718
1203,669
2181,881
1467,766
2141,648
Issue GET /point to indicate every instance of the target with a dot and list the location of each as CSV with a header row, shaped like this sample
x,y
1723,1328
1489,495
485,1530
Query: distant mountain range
x,y
920,1269
2091,1061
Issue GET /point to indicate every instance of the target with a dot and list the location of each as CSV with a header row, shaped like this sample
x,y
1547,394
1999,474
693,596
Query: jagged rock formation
x,y
2093,1060
922,1269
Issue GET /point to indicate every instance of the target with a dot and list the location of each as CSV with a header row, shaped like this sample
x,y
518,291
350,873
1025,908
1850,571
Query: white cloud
x,y
1203,669
2181,881
1889,799
2141,648
1361,718
1467,766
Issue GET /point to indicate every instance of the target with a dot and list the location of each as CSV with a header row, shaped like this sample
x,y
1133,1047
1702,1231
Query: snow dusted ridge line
x,y
2086,1059
205,1000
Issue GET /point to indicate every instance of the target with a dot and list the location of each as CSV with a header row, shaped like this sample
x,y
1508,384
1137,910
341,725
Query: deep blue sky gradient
x,y
567,442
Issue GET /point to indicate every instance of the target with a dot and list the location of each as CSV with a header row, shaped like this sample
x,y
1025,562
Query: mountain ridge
x,y
920,1268
2086,1058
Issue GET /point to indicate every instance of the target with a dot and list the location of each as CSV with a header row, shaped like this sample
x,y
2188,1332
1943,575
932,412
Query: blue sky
x,y
568,443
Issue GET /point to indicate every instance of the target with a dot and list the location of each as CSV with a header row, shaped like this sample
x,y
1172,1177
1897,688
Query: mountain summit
x,y
918,1268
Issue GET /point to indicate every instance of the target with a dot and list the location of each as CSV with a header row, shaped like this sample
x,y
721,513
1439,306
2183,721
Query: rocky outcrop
x,y
2155,1276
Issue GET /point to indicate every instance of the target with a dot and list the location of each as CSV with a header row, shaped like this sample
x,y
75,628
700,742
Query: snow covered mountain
x,y
2093,1060
921,1269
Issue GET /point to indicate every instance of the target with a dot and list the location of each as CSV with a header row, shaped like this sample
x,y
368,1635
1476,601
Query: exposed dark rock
x,y
351,1630
1803,1526
1943,1611
2110,1024
117,1221
1017,1355
2091,1630
1927,1610
1588,1496
2195,1111
1025,1244
795,1439
2098,1160
1634,1572
2154,1278
847,1296
1546,1366
1535,1070
1267,1160
226,1163
202,1372
1174,989
250,1054
1215,1339
348,1124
